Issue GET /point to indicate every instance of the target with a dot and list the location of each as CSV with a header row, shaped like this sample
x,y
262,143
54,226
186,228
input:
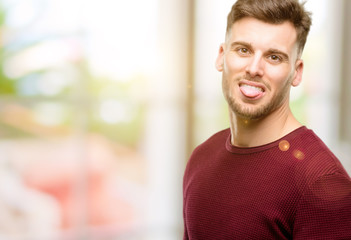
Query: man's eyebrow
x,y
246,44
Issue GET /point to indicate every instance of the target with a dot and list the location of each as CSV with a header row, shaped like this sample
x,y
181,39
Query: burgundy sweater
x,y
293,188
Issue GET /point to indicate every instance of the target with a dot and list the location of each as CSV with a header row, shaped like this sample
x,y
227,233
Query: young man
x,y
267,177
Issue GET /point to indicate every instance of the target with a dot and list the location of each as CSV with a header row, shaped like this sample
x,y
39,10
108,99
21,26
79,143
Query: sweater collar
x,y
249,150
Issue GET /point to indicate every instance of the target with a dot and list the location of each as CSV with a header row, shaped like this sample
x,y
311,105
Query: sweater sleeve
x,y
324,211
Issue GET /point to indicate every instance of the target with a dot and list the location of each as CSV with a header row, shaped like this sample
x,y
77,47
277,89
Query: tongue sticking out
x,y
251,91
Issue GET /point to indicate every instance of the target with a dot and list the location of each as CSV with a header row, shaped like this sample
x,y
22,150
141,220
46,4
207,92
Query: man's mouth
x,y
251,91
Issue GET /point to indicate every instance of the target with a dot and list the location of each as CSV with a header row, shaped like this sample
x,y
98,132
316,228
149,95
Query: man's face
x,y
259,63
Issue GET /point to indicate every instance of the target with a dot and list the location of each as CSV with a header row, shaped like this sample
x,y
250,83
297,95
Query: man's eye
x,y
275,58
243,51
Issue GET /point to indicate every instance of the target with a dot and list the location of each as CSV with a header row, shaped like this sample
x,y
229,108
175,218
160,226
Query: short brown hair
x,y
275,12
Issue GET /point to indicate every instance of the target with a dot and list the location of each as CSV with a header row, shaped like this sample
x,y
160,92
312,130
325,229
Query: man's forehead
x,y
256,32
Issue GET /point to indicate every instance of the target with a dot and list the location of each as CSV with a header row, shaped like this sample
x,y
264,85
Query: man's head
x,y
261,57
274,12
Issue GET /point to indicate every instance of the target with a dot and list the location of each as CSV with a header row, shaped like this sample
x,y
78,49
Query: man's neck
x,y
252,133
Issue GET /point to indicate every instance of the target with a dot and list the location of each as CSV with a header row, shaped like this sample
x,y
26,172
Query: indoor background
x,y
102,102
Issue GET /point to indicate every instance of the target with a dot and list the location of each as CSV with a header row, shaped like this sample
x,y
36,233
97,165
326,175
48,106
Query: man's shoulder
x,y
216,141
217,138
316,157
220,135
315,146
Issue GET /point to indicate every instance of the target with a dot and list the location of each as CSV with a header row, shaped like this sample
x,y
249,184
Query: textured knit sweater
x,y
293,188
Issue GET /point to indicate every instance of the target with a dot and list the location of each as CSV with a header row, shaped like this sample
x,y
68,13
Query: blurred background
x,y
102,102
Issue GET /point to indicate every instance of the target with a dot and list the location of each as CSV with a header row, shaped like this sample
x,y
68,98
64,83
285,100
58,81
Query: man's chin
x,y
250,113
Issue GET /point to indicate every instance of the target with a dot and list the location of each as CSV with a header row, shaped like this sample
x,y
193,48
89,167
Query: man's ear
x,y
220,58
298,73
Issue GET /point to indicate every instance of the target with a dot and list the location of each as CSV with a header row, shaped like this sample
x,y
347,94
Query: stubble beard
x,y
252,111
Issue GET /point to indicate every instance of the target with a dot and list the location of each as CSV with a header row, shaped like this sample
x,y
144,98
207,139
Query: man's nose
x,y
255,66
